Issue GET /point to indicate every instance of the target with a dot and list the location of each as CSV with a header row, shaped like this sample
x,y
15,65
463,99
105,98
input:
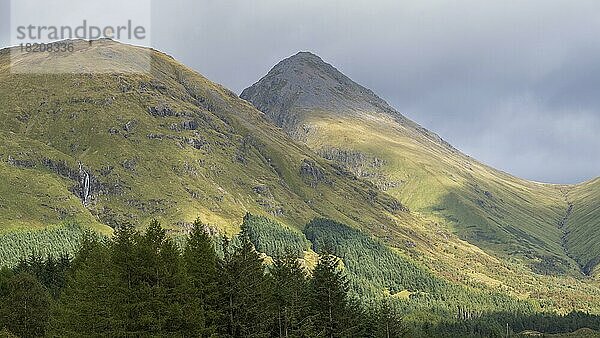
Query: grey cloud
x,y
4,22
528,141
512,83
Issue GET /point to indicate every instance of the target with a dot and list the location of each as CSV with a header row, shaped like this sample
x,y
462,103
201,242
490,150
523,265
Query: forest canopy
x,y
138,283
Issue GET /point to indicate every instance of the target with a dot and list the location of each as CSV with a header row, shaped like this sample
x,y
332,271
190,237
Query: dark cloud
x,y
512,83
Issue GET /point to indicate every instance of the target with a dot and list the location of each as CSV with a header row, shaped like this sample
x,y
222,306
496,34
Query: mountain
x,y
98,149
102,149
113,141
351,126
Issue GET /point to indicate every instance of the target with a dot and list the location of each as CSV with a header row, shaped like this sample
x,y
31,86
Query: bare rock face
x,y
312,173
129,126
23,163
87,185
304,83
189,125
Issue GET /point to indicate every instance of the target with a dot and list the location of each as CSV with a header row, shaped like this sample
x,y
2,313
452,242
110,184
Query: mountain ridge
x,y
170,108
343,122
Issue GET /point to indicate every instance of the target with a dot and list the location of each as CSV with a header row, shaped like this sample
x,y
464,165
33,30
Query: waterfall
x,y
85,185
86,189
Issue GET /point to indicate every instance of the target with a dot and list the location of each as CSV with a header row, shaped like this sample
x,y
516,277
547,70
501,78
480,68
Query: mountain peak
x,y
305,55
304,83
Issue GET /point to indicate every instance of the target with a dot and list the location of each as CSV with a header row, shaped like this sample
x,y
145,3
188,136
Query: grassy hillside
x,y
349,125
489,208
168,144
583,226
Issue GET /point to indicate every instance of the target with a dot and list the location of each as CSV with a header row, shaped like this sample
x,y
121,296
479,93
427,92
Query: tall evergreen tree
x,y
50,272
329,287
176,293
125,293
386,320
26,306
201,263
290,297
87,304
245,291
152,282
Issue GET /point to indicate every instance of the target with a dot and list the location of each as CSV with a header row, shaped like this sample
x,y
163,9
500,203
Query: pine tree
x,y
50,272
153,289
245,291
290,297
26,306
87,304
126,266
386,320
201,263
176,293
329,287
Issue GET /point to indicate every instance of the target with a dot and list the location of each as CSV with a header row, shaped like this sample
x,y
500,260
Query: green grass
x,y
583,227
496,211
232,163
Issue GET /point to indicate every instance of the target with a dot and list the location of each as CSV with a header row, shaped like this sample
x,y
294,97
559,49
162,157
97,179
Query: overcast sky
x,y
515,84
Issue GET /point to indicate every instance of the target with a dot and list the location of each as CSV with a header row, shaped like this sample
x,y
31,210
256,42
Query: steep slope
x,y
107,148
348,124
101,148
582,228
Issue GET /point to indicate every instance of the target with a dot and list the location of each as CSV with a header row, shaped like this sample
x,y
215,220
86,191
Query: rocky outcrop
x,y
361,165
189,125
22,163
87,185
312,173
129,126
197,142
61,168
166,111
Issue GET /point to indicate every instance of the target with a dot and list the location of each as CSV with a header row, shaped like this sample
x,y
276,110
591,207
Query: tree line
x,y
136,284
149,284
